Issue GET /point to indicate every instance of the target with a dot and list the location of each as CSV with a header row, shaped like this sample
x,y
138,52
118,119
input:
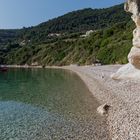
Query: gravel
x,y
123,97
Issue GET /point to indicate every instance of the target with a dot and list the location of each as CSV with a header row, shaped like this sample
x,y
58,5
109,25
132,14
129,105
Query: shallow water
x,y
47,104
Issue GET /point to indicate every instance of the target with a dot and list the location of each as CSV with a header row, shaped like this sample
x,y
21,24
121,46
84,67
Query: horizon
x,y
15,16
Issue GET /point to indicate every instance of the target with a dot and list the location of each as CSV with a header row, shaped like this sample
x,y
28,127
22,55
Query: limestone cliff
x,y
132,70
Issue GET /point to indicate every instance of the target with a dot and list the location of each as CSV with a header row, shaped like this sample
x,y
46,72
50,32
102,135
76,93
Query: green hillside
x,y
59,41
76,22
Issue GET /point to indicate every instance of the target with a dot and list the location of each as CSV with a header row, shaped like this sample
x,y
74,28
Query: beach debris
x,y
103,109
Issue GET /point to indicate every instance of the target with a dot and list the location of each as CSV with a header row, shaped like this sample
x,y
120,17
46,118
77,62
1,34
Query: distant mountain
x,y
58,41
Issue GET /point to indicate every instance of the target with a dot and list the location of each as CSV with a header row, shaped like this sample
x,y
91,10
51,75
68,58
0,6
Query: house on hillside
x,y
54,35
97,63
24,42
88,33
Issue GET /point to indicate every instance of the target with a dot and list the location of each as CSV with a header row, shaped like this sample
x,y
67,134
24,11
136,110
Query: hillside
x,y
86,19
76,22
58,41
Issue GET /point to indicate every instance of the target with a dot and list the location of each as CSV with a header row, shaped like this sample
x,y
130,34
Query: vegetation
x,y
59,41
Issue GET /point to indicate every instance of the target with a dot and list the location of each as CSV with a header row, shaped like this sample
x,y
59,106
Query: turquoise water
x,y
46,104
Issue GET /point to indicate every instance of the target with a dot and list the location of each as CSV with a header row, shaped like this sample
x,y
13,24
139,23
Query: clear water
x,y
47,104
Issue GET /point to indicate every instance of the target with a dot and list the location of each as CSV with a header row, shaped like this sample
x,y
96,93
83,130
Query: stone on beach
x,y
103,109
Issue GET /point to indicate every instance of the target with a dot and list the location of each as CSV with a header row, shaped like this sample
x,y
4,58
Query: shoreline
x,y
21,66
123,96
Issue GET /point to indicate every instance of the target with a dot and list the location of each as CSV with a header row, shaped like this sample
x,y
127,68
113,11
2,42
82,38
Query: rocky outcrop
x,y
132,70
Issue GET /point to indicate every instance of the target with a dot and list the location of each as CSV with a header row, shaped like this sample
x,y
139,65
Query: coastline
x,y
21,66
123,96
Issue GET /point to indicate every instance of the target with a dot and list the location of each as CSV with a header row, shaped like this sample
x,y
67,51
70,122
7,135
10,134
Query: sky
x,y
25,13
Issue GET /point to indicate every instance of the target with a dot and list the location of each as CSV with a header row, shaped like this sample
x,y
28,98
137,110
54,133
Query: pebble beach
x,y
123,96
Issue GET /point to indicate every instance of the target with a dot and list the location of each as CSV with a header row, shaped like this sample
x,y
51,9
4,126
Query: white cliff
x,y
132,69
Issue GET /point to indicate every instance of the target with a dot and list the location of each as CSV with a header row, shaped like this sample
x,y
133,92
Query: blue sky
x,y
24,13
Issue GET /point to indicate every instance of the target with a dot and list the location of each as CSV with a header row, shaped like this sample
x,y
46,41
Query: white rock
x,y
134,57
136,38
103,109
132,70
136,19
132,6
128,71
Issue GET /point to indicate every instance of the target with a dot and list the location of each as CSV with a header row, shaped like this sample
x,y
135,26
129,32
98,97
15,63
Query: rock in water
x,y
132,70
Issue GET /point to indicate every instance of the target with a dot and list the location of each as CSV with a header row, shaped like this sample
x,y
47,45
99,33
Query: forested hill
x,y
86,19
73,22
59,42
77,22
